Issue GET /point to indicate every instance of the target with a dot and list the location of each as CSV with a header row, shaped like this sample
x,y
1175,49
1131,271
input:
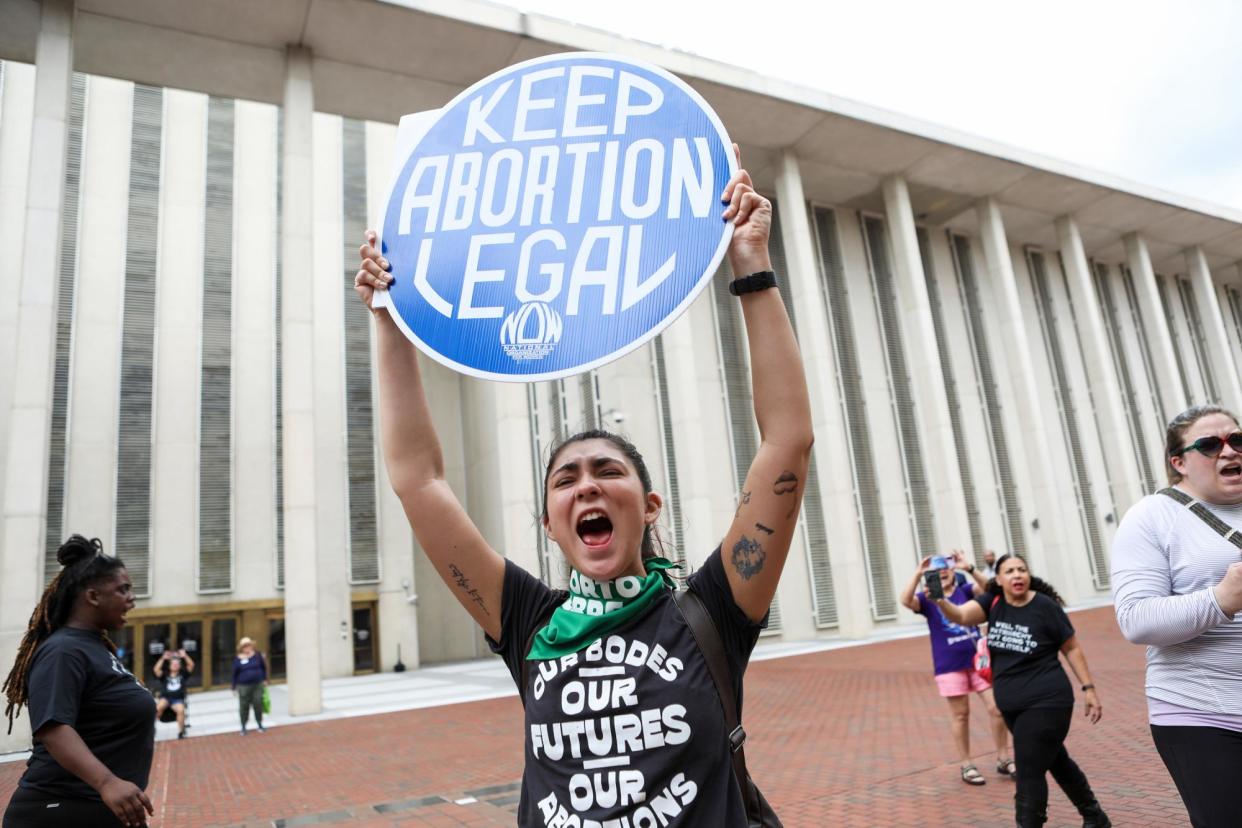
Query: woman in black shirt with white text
x,y
1026,630
93,723
622,717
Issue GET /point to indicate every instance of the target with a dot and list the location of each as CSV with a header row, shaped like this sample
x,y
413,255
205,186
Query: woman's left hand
x,y
1094,709
751,216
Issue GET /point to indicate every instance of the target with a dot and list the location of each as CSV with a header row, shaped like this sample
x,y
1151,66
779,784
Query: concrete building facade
x,y
993,340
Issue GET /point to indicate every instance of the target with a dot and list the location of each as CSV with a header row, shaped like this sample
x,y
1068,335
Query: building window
x,y
133,473
835,294
215,450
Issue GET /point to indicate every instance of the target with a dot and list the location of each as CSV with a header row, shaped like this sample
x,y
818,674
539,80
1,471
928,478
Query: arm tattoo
x,y
785,484
473,594
763,528
748,558
742,500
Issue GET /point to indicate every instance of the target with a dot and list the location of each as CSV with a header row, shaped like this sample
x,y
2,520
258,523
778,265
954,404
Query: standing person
x,y
988,570
93,723
249,679
953,655
622,716
1027,628
1177,587
174,688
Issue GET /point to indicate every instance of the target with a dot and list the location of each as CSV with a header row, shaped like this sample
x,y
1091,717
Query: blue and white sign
x,y
555,216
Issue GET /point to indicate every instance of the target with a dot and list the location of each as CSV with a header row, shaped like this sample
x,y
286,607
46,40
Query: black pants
x,y
1039,747
1206,766
35,809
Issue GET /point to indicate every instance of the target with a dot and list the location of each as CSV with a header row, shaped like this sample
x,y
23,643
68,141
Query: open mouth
x,y
594,528
1232,472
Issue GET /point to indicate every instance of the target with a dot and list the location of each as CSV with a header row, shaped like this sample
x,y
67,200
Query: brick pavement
x,y
852,737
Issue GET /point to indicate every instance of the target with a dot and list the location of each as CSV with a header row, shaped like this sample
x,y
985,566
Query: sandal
x,y
971,775
1006,767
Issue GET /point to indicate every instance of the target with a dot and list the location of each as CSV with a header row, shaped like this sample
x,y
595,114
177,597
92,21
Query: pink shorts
x,y
961,683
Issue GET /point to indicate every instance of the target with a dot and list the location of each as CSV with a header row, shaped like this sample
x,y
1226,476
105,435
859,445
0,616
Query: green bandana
x,y
594,608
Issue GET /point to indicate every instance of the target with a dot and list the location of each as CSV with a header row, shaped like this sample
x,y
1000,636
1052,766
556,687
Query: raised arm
x,y
908,599
189,661
757,543
978,583
473,571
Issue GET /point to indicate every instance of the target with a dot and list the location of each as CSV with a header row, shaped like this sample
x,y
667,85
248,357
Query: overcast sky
x,y
1144,89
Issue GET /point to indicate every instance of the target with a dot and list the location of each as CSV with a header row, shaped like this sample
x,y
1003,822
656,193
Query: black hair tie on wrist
x,y
762,280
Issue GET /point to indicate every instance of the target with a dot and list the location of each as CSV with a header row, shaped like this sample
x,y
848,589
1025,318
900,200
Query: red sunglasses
x,y
1211,446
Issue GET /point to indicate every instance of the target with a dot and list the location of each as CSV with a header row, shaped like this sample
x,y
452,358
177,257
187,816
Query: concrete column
x,y
298,376
102,230
336,653
254,357
1044,482
849,569
1158,337
698,535
25,489
16,116
398,610
1101,370
177,365
1224,368
923,356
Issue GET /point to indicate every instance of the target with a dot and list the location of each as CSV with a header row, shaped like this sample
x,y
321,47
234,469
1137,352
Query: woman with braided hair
x,y
93,723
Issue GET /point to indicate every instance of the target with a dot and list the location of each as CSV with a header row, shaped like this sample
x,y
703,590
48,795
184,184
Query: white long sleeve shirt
x,y
1165,562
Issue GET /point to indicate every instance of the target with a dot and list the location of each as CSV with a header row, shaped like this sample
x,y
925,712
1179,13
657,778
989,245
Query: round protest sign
x,y
555,216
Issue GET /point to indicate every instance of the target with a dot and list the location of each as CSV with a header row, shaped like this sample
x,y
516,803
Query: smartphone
x,y
939,562
931,582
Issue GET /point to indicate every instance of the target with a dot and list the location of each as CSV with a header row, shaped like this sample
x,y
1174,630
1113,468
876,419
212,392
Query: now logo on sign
x,y
554,216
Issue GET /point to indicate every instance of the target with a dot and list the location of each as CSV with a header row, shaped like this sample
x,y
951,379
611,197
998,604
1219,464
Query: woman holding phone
x,y
953,652
1027,630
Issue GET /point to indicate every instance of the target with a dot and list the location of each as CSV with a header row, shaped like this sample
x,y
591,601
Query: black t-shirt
x,y
1024,643
629,729
174,687
75,680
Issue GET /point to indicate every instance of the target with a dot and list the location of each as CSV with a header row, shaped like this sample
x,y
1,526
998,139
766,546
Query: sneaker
x,y
262,729
243,731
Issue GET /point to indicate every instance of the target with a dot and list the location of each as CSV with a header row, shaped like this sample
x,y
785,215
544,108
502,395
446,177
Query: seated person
x,y
172,693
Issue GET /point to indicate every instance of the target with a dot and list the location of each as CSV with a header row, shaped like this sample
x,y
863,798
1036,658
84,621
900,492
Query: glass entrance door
x,y
190,639
276,647
364,638
223,648
155,640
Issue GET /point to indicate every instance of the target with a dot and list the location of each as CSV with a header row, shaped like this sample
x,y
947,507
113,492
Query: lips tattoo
x,y
785,484
748,557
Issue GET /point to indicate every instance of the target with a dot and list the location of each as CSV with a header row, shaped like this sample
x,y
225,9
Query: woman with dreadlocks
x,y
93,723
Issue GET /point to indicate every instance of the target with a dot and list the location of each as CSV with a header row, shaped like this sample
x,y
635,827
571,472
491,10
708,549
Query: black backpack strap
x,y
708,638
1204,514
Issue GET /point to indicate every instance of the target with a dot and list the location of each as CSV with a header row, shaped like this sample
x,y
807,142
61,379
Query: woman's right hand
x,y
1229,590
126,800
373,275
